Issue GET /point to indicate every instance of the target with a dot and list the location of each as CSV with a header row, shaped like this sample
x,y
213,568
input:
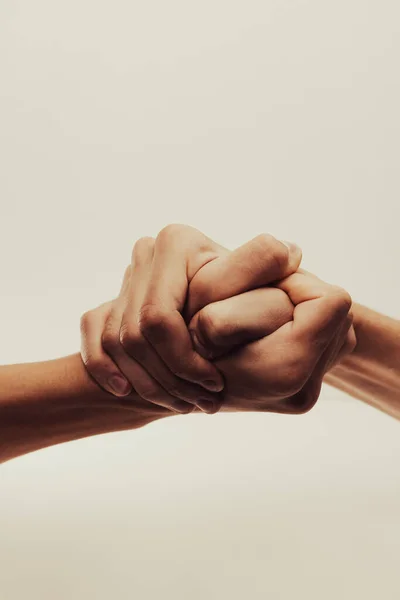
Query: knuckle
x,y
142,247
210,326
265,239
280,256
276,250
171,232
152,320
110,340
130,339
340,299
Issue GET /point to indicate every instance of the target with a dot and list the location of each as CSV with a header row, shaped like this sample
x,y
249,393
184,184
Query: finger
x,y
143,384
160,320
259,262
220,327
347,347
339,341
106,372
99,365
124,341
293,351
148,388
320,308
306,398
158,386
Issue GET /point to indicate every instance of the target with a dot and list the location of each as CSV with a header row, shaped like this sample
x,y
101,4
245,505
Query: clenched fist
x,y
197,325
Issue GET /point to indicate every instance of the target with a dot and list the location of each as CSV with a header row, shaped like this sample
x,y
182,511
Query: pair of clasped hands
x,y
199,327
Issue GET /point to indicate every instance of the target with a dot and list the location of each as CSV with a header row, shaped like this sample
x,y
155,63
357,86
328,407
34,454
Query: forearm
x,y
372,371
46,403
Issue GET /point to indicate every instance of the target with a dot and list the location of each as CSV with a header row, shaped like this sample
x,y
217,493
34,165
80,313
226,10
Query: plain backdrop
x,y
117,118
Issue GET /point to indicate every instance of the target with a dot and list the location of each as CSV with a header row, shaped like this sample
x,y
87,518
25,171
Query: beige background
x,y
117,118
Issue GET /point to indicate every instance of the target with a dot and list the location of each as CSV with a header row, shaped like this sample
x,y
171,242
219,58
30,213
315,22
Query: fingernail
x,y
213,386
291,245
120,385
206,406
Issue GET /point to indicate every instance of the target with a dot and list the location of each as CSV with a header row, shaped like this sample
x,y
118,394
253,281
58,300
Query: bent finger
x,y
320,308
220,327
307,397
97,362
160,318
259,262
129,342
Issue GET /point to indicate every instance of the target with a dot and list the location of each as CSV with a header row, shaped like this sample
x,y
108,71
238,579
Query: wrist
x,y
47,403
371,371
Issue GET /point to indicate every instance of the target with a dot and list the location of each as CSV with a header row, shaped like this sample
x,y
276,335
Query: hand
x,y
280,371
143,333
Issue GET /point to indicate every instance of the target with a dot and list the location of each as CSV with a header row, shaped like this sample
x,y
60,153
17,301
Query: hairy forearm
x,y
47,403
372,371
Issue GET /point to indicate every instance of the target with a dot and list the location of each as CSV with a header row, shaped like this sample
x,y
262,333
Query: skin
x,y
371,372
144,331
272,353
183,293
56,401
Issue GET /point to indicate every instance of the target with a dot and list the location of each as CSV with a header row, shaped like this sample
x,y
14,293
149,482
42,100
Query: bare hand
x,y
280,371
143,333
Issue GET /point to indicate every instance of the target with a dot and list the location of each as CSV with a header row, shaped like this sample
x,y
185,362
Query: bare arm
x,y
372,371
50,402
55,401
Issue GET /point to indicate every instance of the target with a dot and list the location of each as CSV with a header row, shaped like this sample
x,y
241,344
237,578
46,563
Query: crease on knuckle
x,y
152,321
110,341
110,336
280,256
130,339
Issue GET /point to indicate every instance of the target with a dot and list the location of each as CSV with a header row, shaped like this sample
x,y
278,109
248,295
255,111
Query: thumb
x,y
260,262
220,327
